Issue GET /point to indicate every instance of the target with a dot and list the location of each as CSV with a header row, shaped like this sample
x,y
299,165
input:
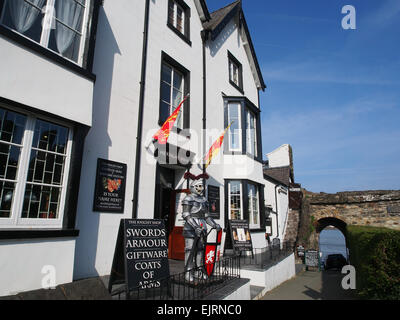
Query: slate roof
x,y
218,16
279,174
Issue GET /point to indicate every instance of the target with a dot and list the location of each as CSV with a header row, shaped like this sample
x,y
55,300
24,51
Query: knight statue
x,y
195,214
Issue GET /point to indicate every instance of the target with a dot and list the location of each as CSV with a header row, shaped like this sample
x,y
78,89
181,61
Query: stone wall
x,y
380,208
292,227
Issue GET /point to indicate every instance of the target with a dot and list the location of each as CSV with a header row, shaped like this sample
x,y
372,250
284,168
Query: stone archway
x,y
379,208
331,221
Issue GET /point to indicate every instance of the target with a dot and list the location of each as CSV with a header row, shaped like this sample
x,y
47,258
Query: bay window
x,y
235,136
34,165
58,25
244,135
251,139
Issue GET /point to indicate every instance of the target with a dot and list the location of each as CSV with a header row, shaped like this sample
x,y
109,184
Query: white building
x,y
95,81
278,175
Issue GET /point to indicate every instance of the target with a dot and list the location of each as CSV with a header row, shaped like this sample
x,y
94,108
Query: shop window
x,y
245,201
58,25
34,162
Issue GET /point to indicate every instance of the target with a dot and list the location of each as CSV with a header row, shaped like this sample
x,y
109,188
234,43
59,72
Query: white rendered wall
x,y
21,263
280,157
163,39
36,81
279,204
274,276
229,166
117,65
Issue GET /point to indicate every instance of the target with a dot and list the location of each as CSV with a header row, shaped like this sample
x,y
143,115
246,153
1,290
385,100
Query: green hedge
x,y
375,254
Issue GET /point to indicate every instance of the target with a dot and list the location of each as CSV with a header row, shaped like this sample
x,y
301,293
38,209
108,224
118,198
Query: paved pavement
x,y
312,285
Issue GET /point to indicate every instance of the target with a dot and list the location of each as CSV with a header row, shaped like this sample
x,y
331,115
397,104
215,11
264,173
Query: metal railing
x,y
264,257
178,287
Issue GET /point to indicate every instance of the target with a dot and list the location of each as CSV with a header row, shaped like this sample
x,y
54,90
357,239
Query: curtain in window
x,y
24,14
70,13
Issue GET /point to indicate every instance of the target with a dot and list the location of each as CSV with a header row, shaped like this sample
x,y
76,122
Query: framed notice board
x,y
109,193
240,234
213,202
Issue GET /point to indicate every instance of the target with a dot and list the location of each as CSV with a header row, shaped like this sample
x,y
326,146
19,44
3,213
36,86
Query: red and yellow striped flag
x,y
162,135
214,150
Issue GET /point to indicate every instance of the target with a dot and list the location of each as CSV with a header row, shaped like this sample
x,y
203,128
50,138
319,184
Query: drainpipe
x,y
276,211
140,115
204,36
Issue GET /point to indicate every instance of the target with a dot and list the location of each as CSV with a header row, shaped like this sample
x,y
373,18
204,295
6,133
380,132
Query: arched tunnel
x,y
325,222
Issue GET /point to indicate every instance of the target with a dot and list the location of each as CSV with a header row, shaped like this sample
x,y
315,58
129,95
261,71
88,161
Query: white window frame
x,y
16,221
241,199
180,120
49,17
239,130
174,23
251,148
250,208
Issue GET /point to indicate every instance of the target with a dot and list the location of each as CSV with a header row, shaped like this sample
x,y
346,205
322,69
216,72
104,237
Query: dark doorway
x,y
165,197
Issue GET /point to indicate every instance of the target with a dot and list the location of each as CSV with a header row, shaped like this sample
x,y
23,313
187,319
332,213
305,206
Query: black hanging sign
x,y
109,194
141,255
240,234
213,201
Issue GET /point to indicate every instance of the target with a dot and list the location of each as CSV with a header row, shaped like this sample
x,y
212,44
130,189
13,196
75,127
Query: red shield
x,y
211,253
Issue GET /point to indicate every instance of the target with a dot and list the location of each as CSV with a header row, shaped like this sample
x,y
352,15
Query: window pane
x,y
166,74
178,81
164,111
6,197
179,20
250,133
49,136
171,12
253,205
25,17
65,37
234,130
165,92
233,72
70,13
41,202
67,44
12,126
235,200
46,166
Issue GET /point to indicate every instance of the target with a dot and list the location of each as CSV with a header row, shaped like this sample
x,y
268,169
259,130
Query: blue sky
x,y
333,94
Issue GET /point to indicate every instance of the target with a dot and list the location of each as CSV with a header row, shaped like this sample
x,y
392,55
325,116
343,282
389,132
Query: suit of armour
x,y
195,214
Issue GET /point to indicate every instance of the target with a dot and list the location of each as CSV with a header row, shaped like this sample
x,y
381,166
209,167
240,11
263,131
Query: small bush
x,y
375,253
